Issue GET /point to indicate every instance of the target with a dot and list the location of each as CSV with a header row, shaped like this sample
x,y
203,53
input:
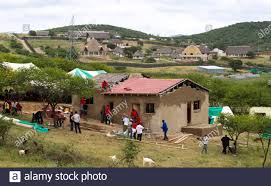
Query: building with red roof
x,y
181,102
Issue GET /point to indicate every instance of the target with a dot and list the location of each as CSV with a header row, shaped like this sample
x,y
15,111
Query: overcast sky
x,y
159,17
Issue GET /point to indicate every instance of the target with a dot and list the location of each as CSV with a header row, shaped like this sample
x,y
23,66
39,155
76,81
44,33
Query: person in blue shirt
x,y
165,129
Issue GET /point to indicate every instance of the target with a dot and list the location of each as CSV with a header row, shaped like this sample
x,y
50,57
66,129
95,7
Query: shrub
x,y
14,44
63,155
121,69
130,152
4,49
251,55
211,62
4,130
224,58
236,64
22,51
150,60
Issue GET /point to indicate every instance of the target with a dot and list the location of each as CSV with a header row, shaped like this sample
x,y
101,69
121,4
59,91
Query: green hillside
x,y
238,34
124,32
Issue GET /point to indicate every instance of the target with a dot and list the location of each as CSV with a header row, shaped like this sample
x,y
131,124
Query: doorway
x,y
136,107
189,112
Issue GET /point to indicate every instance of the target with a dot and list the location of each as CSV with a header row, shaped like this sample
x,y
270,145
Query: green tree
x,y
263,127
32,33
52,84
129,52
236,64
130,152
251,55
236,125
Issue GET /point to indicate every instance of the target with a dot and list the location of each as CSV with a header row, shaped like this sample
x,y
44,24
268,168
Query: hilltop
x,y
113,30
246,33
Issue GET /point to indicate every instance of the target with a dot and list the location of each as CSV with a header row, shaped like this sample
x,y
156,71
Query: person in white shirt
x,y
139,131
125,121
205,141
76,120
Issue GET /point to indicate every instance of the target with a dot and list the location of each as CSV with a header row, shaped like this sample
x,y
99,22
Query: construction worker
x,y
165,129
205,140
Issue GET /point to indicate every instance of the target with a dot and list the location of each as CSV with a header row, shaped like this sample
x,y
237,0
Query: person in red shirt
x,y
108,115
82,103
104,85
134,125
134,114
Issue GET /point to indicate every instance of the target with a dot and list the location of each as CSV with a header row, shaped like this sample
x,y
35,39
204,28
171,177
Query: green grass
x,y
54,43
96,149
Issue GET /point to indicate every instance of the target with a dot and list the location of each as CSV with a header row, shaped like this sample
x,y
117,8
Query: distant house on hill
x,y
42,33
204,49
218,52
155,56
99,35
118,51
94,48
164,51
138,55
237,51
194,53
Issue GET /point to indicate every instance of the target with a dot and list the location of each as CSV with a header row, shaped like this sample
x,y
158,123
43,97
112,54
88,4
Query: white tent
x,y
18,66
85,74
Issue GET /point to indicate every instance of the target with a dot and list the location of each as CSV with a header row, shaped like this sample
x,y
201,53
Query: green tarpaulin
x,y
214,112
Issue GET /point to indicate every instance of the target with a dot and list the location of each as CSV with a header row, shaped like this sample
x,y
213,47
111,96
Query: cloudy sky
x,y
159,17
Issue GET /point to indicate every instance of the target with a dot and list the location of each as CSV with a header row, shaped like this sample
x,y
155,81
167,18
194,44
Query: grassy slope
x,y
97,148
54,43
238,34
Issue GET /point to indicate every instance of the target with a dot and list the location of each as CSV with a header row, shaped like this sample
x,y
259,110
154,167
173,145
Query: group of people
x,y
11,107
133,126
75,122
225,144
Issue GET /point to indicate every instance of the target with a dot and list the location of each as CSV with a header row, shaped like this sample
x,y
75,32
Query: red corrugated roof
x,y
144,86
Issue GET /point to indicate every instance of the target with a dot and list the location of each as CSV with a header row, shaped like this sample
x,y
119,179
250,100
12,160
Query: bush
x,y
22,51
211,62
130,152
251,55
150,60
14,44
236,64
224,58
32,33
4,130
62,155
4,49
121,69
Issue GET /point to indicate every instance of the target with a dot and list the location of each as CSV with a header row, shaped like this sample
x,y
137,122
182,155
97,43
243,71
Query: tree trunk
x,y
248,138
53,112
266,152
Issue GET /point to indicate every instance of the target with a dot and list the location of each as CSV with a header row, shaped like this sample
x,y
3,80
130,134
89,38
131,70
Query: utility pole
x,y
72,54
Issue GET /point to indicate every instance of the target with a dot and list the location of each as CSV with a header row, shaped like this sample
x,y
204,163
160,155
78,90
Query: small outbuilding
x,y
262,111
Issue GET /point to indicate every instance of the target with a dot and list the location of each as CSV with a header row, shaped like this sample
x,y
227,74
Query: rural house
x,y
42,33
138,55
164,51
94,48
118,51
180,102
155,56
194,53
237,51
